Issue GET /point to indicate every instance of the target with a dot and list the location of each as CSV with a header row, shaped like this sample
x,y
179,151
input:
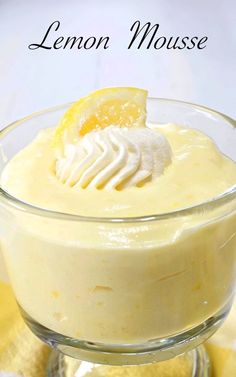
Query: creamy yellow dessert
x,y
196,172
131,281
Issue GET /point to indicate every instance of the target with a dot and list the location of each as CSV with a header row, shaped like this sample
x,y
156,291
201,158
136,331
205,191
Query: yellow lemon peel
x,y
122,106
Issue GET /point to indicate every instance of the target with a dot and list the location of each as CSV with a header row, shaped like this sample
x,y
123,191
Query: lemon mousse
x,y
128,280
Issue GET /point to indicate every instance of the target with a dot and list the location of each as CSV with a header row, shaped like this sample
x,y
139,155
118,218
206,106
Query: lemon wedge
x,y
122,106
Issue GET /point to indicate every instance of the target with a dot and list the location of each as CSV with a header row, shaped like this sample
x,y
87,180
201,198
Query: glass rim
x,y
44,212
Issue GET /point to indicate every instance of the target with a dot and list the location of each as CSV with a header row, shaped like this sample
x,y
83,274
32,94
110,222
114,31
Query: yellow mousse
x,y
123,282
198,173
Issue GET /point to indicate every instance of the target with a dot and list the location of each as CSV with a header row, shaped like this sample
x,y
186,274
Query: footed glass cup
x,y
122,291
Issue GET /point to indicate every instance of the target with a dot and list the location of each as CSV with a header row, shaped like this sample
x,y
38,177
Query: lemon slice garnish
x,y
121,106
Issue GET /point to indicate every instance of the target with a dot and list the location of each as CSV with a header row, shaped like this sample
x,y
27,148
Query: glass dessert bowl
x,y
123,290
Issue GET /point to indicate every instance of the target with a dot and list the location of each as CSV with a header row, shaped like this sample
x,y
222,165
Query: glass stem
x,y
194,363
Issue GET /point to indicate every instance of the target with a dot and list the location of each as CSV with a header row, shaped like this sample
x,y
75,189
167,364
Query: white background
x,y
32,80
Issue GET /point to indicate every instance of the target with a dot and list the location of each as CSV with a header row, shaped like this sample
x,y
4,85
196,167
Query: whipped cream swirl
x,y
114,158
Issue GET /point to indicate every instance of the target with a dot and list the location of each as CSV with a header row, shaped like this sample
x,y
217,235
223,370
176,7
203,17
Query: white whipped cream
x,y
114,158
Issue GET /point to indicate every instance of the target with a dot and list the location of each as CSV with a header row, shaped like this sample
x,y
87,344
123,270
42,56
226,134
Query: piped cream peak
x,y
114,158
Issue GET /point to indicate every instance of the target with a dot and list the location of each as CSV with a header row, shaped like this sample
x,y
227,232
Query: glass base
x,y
154,351
191,364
